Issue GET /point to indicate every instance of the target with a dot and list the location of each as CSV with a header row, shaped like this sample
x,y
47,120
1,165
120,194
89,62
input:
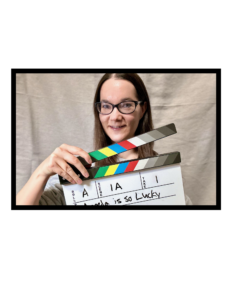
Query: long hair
x,y
102,140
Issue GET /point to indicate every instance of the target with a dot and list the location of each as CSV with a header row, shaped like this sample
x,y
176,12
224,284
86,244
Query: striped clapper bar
x,y
131,165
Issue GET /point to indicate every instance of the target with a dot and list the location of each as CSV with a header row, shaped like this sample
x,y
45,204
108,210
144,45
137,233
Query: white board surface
x,y
157,186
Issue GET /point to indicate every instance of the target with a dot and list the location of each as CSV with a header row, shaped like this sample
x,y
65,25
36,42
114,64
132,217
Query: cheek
x,y
133,120
103,120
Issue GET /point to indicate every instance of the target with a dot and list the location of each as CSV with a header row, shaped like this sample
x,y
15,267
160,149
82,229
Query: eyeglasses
x,y
126,107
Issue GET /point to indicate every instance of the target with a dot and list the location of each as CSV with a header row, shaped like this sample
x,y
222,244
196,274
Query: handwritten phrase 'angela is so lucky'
x,y
137,196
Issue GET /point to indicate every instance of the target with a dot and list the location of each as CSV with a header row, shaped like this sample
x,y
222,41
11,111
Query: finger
x,y
77,151
60,171
70,158
68,171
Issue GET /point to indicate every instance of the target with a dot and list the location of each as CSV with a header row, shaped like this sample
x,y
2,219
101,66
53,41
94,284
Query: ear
x,y
143,109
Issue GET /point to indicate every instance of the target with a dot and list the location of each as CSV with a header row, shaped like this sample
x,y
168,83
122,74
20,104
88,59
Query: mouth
x,y
117,128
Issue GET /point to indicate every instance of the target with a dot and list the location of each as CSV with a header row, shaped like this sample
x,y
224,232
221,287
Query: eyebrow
x,y
123,100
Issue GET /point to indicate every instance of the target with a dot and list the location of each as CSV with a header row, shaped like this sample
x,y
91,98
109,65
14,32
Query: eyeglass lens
x,y
124,107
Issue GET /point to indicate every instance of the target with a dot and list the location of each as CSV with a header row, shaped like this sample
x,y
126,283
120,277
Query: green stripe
x,y
98,155
101,171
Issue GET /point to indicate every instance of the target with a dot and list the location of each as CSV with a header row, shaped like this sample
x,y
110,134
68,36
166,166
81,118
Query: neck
x,y
130,154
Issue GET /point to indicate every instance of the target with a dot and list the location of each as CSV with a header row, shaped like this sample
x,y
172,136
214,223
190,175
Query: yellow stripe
x,y
107,151
111,170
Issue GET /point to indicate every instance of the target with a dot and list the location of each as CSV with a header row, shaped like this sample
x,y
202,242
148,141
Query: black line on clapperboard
x,y
96,189
141,180
149,200
126,192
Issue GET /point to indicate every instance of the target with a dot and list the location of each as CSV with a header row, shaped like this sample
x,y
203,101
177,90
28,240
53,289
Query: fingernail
x,y
86,175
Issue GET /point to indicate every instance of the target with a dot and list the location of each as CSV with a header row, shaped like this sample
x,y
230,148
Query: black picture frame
x,y
14,72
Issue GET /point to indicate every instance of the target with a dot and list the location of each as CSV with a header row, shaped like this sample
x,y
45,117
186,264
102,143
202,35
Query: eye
x,y
106,106
126,105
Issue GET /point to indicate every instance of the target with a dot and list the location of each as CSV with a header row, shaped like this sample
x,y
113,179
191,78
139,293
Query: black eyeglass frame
x,y
136,104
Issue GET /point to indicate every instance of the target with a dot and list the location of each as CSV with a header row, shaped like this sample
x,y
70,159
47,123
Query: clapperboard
x,y
155,180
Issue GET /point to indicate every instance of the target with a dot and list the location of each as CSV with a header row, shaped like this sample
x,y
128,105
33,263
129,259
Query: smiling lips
x,y
117,127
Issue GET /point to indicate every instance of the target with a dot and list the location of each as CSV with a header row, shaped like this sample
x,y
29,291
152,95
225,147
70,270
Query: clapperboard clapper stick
x,y
130,165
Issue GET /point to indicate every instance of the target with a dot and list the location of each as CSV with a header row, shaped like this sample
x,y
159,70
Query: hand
x,y
57,163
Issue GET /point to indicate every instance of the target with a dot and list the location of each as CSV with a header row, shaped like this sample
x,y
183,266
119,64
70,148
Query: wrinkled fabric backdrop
x,y
52,109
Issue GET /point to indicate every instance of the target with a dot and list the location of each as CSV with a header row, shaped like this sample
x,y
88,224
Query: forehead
x,y
117,90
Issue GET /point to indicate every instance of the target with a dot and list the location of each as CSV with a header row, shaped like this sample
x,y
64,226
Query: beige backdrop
x,y
52,109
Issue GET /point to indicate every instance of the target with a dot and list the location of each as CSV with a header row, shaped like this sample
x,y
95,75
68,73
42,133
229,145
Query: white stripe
x,y
136,141
141,164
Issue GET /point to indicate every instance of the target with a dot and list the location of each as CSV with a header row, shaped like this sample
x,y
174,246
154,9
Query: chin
x,y
118,139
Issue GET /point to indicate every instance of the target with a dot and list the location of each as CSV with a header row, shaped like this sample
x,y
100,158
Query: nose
x,y
115,114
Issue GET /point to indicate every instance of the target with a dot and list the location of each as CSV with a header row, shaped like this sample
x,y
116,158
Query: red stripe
x,y
131,166
127,145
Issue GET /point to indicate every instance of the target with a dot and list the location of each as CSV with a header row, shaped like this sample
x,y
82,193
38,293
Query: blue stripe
x,y
117,148
121,168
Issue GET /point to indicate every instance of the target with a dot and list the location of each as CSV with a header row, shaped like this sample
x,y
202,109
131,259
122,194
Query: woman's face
x,y
115,91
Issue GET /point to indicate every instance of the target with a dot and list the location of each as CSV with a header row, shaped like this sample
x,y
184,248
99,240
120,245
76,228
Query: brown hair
x,y
101,139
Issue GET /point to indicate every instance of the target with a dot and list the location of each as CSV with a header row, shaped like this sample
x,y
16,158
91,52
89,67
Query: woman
x,y
122,110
